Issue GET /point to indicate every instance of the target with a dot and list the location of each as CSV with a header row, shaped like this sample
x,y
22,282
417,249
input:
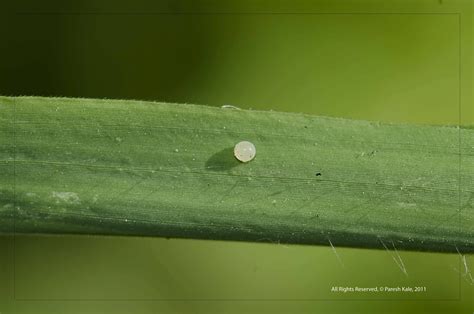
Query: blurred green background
x,y
393,60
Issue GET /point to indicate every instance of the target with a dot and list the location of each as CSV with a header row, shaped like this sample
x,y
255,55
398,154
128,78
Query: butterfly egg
x,y
244,151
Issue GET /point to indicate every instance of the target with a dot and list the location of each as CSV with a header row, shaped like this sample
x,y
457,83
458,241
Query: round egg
x,y
244,151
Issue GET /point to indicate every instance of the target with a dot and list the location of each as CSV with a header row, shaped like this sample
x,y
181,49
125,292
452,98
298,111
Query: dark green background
x,y
395,61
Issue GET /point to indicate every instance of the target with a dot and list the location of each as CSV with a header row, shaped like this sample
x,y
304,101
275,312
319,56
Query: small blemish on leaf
x,y
66,197
230,107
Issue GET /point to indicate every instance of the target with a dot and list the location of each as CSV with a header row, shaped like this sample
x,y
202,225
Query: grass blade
x,y
153,169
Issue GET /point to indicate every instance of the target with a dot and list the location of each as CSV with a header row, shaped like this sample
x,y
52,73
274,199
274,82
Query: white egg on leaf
x,y
245,151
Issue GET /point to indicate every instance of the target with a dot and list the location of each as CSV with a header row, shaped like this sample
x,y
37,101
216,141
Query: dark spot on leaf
x,y
318,174
223,160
